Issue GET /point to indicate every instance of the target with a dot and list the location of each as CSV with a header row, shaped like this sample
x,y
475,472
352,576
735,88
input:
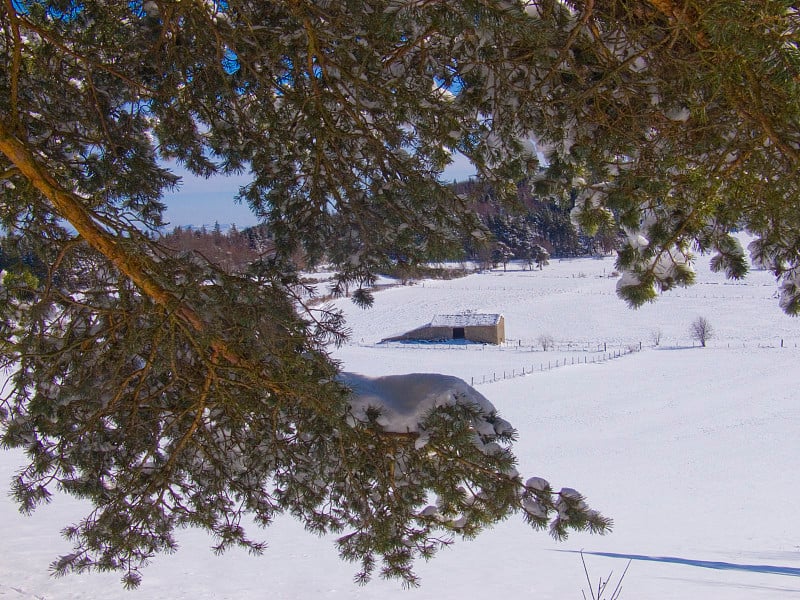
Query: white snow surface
x,y
693,452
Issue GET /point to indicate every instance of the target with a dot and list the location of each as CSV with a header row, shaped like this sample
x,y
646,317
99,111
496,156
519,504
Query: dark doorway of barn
x,y
458,333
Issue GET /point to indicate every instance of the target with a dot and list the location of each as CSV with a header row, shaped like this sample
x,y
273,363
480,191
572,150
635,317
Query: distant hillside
x,y
539,217
540,222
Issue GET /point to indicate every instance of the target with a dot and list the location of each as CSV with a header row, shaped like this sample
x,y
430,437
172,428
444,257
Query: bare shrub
x,y
546,341
655,337
599,592
701,330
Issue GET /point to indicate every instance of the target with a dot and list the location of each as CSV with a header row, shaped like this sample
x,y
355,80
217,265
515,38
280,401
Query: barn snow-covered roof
x,y
465,320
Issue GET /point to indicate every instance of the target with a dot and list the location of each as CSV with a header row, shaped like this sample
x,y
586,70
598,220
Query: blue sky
x,y
201,201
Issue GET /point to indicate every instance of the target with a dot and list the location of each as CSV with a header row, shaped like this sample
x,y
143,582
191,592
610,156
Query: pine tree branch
x,y
588,9
137,268
750,112
100,116
680,16
62,45
16,62
198,407
666,7
9,173
746,109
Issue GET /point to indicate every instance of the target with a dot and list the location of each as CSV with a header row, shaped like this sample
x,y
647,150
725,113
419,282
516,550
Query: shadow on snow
x,y
704,564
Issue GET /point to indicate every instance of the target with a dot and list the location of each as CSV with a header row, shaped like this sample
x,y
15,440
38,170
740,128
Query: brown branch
x,y
138,269
101,117
9,173
404,49
665,7
678,15
757,115
199,409
573,36
312,53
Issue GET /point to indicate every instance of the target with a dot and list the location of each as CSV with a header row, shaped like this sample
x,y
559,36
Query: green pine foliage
x,y
168,392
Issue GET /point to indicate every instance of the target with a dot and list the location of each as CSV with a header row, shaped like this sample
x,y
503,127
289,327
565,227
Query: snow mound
x,y
405,400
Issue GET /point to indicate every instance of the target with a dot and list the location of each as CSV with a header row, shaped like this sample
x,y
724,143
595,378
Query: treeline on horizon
x,y
538,220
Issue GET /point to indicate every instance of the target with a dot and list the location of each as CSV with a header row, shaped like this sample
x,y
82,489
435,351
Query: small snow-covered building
x,y
474,327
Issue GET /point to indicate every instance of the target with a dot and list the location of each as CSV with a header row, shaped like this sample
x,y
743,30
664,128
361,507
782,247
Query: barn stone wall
x,y
487,334
428,334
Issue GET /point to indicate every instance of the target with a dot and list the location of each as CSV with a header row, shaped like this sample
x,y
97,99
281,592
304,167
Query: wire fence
x,y
546,343
510,345
583,347
582,359
557,354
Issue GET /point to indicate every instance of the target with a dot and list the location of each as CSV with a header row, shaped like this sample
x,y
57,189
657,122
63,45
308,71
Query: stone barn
x,y
474,327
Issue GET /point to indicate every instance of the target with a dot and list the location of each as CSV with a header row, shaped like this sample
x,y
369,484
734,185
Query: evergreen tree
x,y
167,392
540,256
502,253
217,233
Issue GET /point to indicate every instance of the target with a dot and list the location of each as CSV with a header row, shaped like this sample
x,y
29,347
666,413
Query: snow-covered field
x,y
693,451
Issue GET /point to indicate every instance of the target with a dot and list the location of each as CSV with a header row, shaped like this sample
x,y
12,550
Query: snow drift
x,y
404,401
